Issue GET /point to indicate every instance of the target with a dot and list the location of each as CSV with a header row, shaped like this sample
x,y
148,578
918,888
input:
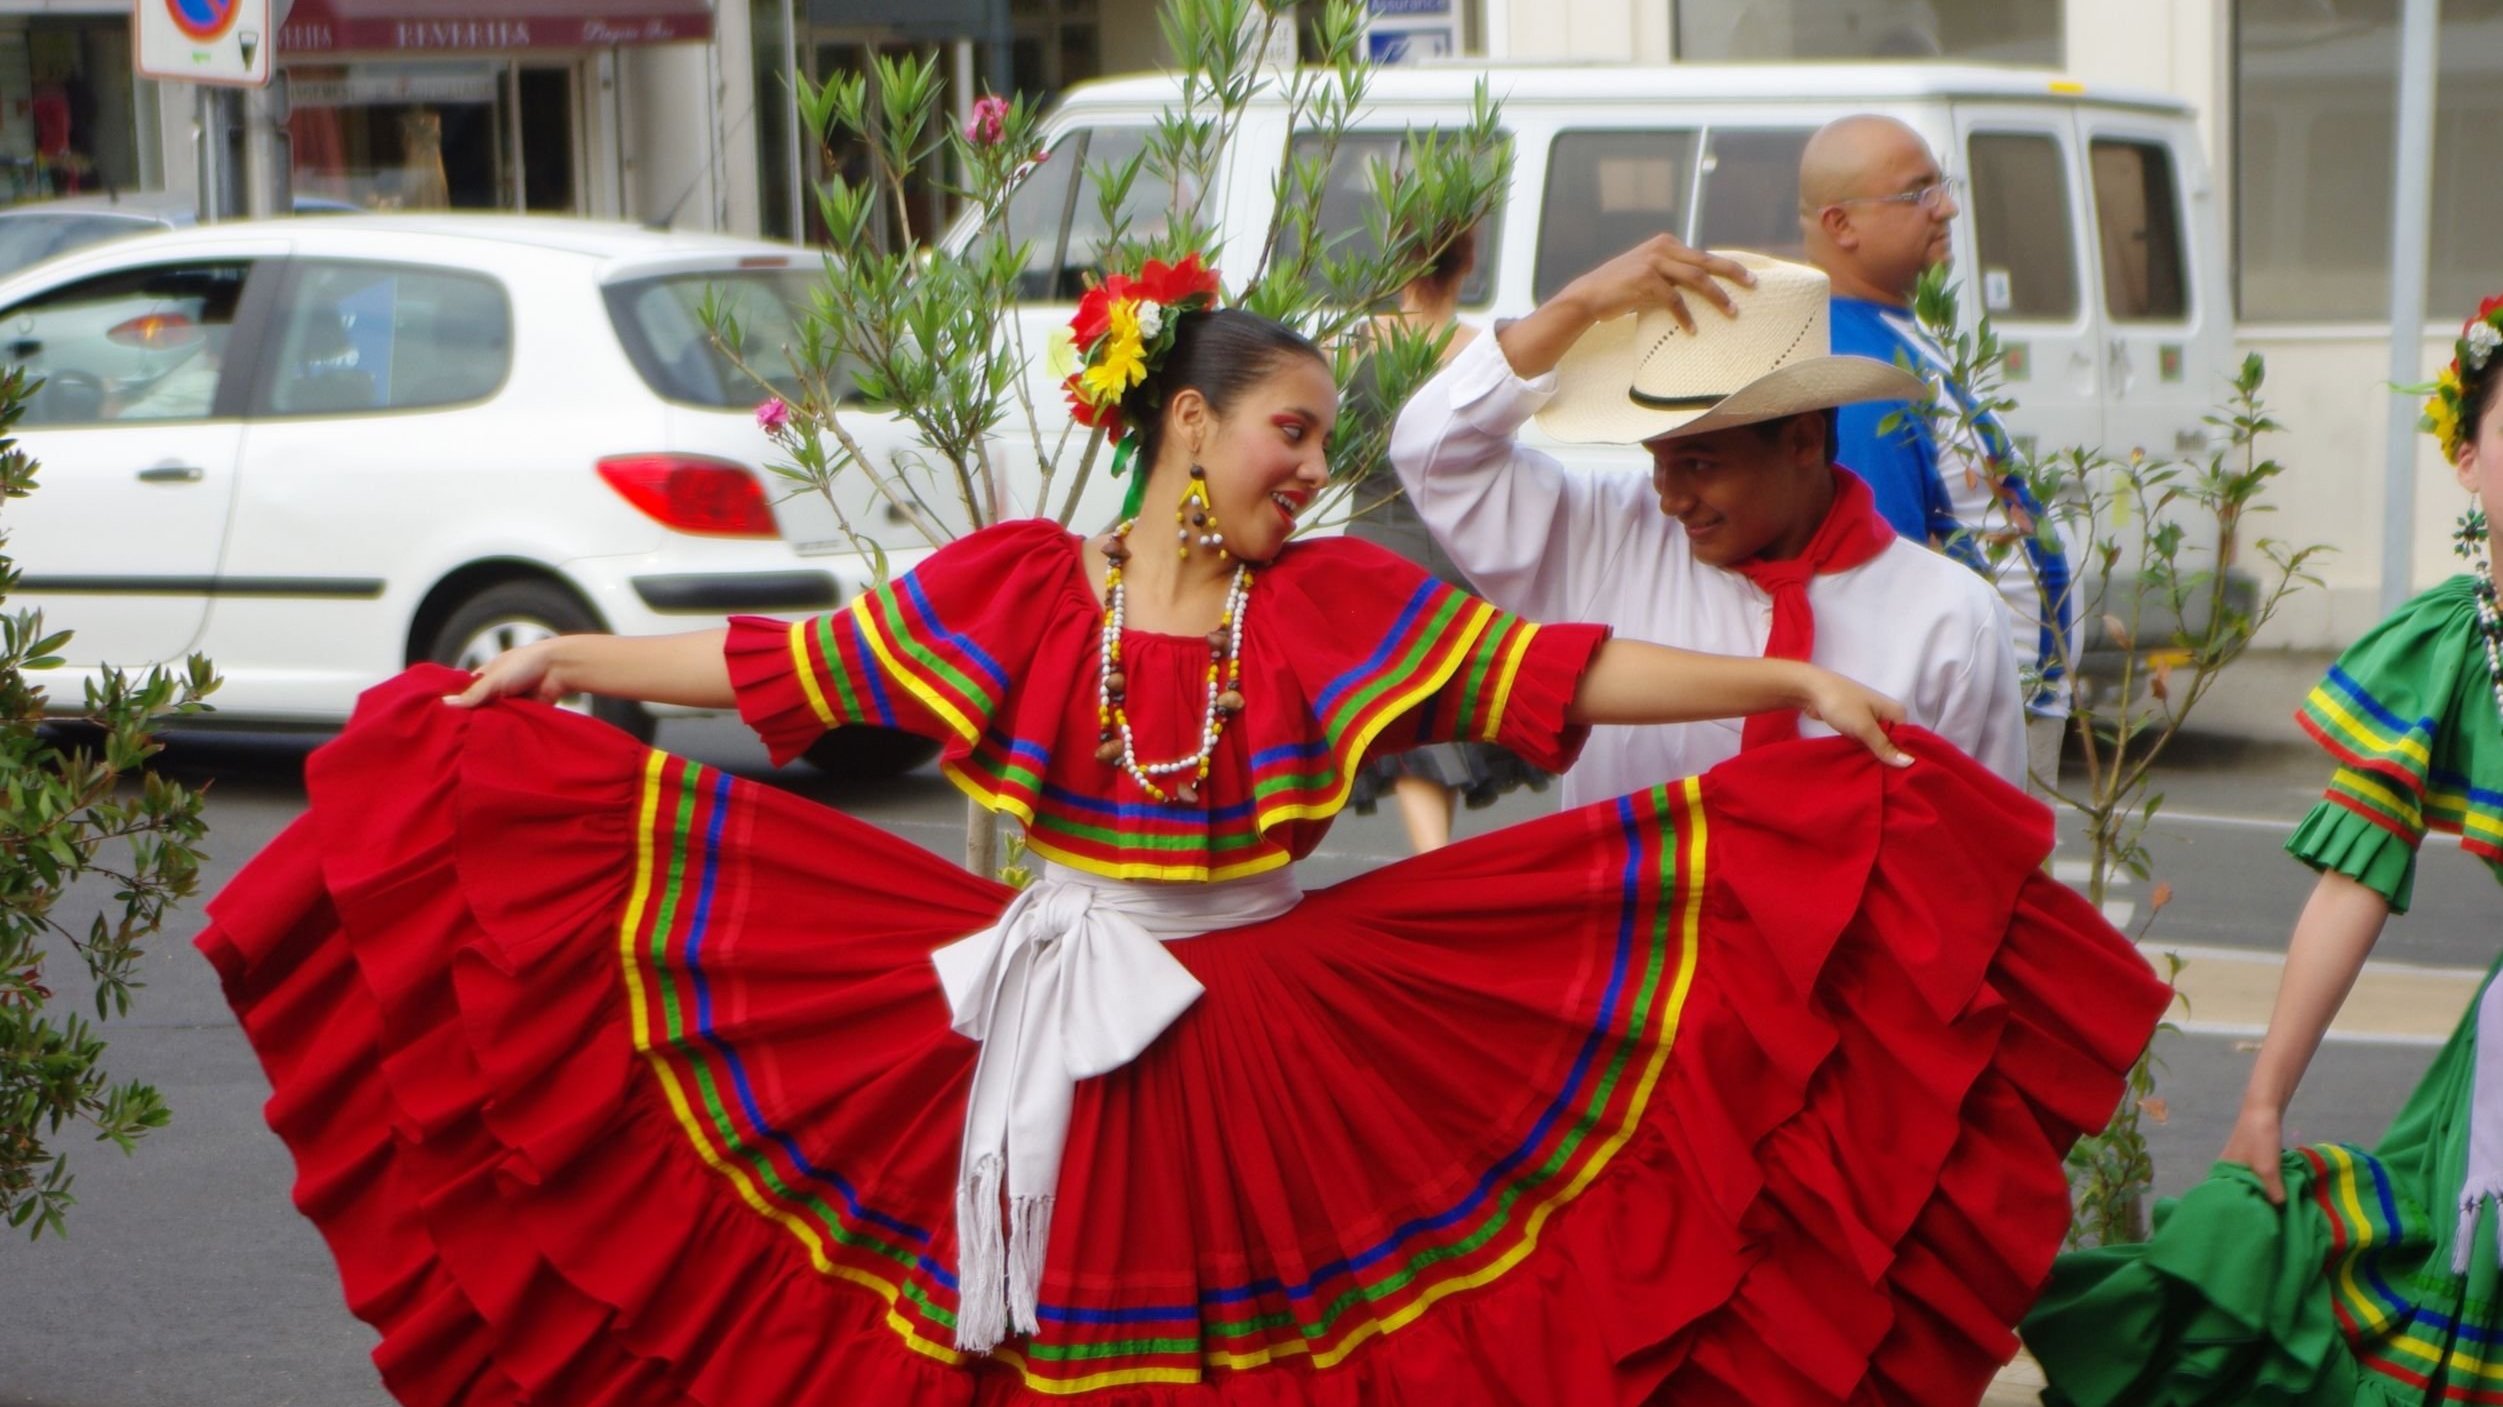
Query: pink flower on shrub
x,y
773,417
990,122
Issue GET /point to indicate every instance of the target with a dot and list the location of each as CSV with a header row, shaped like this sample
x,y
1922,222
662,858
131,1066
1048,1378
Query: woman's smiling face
x,y
1265,455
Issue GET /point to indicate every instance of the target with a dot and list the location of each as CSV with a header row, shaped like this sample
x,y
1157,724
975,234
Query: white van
x,y
2090,228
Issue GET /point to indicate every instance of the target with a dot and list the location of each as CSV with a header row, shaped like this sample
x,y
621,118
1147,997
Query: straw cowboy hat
x,y
1643,377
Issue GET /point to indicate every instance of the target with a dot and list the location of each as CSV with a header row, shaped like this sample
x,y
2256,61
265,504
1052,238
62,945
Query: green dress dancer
x,y
2333,1275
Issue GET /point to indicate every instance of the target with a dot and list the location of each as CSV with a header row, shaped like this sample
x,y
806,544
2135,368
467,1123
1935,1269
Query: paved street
x,y
188,1280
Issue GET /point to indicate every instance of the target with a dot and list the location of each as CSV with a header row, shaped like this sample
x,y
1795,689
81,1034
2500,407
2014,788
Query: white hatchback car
x,y
318,452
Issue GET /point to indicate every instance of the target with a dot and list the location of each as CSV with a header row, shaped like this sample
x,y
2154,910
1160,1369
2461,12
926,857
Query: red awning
x,y
474,26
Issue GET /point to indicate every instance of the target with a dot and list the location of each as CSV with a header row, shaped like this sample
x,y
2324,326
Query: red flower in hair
x,y
1093,318
1175,285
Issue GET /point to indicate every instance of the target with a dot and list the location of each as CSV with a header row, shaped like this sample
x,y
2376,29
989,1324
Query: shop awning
x,y
410,27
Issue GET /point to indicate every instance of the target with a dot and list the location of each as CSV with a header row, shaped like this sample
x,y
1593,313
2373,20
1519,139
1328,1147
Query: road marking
x,y
2227,1030
2195,952
2229,992
2246,823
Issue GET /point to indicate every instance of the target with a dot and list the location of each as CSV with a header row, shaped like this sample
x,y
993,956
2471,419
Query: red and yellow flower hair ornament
x,y
2480,338
1122,331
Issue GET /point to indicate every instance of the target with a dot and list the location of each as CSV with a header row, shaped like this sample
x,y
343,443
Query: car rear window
x,y
660,321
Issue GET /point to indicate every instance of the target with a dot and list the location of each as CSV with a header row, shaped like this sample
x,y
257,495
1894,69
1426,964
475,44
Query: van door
x,y
2022,245
2161,372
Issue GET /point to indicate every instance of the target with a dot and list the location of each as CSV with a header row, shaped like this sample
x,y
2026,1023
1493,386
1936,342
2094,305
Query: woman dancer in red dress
x,y
614,1079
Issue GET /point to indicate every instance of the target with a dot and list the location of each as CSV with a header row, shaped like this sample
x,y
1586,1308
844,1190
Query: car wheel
x,y
518,613
866,752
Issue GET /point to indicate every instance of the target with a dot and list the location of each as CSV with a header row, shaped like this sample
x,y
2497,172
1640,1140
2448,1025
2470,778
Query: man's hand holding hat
x,y
1637,367
1657,274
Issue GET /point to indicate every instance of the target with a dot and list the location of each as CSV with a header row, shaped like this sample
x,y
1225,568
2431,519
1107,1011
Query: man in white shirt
x,y
1743,507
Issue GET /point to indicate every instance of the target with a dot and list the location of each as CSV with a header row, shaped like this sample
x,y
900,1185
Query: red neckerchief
x,y
1853,532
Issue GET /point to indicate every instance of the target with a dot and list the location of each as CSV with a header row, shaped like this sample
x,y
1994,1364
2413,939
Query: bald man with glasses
x,y
1876,210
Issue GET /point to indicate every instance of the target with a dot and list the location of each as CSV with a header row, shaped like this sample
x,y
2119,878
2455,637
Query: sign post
x,y
225,48
223,42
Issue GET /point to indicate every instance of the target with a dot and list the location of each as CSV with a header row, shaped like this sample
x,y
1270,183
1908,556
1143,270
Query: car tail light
x,y
692,494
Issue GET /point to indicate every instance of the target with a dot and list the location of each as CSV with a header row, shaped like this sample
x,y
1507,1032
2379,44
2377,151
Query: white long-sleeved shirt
x,y
1551,543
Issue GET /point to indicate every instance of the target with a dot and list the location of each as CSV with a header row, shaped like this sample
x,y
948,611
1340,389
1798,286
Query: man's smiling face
x,y
1751,491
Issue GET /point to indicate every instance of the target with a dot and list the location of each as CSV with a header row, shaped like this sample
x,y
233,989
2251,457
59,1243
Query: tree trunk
x,y
981,839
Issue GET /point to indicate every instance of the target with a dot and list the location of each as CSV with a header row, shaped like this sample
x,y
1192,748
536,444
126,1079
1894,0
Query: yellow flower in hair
x,y
2442,420
1123,363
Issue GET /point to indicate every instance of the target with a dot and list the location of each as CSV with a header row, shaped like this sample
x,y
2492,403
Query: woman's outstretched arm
x,y
670,669
2339,926
1630,681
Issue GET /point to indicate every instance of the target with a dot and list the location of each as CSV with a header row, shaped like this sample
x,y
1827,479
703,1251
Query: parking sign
x,y
204,41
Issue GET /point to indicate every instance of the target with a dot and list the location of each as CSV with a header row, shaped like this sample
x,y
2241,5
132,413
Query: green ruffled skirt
x,y
2342,1298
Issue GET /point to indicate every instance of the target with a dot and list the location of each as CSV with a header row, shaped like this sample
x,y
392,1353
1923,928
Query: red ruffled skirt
x,y
612,1079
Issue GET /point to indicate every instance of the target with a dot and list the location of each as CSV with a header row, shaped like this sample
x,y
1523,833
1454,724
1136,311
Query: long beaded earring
x,y
2468,539
1196,519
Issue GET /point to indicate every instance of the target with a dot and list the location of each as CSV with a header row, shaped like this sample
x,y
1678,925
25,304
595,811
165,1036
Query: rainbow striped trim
x,y
685,880
2391,1334
2388,775
889,659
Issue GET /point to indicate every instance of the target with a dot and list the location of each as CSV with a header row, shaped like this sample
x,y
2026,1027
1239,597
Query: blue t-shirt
x,y
1902,468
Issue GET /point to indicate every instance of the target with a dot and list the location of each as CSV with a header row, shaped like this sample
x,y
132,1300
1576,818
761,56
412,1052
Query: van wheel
x,y
518,613
866,752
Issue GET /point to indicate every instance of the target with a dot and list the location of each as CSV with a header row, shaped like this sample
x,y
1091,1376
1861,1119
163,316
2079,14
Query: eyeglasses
x,y
1929,197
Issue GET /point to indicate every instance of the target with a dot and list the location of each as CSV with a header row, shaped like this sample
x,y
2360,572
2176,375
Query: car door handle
x,y
172,474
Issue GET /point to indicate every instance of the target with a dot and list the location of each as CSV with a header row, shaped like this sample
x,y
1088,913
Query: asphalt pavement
x,y
187,1280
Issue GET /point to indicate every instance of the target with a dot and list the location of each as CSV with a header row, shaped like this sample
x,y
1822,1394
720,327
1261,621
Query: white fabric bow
x,y
1073,981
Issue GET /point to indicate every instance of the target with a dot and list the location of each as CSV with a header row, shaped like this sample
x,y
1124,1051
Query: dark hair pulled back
x,y
1220,353
2477,395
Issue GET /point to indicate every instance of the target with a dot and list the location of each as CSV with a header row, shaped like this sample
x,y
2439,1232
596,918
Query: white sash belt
x,y
1072,982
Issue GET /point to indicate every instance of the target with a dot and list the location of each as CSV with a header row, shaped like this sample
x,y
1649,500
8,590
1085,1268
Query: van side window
x,y
1064,237
1038,215
2021,226
1147,209
1347,194
1606,193
1751,190
2138,220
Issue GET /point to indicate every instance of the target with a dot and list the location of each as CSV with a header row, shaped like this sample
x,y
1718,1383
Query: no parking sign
x,y
204,41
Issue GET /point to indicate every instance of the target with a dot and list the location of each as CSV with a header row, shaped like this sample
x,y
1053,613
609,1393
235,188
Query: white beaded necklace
x,y
1225,676
2490,630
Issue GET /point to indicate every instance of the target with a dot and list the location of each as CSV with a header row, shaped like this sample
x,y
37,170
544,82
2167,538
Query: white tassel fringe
x,y
981,1298
1029,1233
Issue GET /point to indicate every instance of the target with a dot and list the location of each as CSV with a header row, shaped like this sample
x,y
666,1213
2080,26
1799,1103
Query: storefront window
x,y
2315,102
70,107
405,136
1992,31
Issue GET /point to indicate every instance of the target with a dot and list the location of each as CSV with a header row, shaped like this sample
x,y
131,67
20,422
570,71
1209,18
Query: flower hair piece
x,y
2480,338
1122,332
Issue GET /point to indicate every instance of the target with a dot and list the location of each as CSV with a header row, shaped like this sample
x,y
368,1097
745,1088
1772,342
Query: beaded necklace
x,y
1225,677
2490,628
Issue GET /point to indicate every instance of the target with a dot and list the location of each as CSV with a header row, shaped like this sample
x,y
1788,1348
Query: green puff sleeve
x,y
2387,712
